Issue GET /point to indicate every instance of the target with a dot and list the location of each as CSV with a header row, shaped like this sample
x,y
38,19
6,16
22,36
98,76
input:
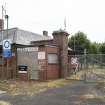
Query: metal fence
x,y
28,56
88,67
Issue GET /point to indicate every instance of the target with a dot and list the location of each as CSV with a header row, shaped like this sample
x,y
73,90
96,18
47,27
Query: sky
x,y
87,16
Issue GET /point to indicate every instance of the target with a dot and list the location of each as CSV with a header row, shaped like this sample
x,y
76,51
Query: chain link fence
x,y
89,67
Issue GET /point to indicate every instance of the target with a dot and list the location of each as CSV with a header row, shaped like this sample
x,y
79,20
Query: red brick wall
x,y
61,40
9,73
42,65
48,71
52,69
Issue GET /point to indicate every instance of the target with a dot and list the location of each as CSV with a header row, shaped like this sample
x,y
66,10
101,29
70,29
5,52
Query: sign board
x,y
7,53
6,44
22,69
41,55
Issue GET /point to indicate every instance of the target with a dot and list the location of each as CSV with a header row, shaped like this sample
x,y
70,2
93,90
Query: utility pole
x,y
2,74
7,17
74,43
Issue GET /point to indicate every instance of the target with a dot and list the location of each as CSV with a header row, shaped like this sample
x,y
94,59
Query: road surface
x,y
76,93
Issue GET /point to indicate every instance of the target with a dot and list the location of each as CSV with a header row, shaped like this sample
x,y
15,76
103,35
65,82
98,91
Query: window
x,y
52,58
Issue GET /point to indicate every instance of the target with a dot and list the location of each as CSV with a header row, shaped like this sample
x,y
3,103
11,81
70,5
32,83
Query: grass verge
x,y
16,87
4,103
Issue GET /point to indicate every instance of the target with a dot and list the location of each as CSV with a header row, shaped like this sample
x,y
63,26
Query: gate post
x,y
85,64
61,40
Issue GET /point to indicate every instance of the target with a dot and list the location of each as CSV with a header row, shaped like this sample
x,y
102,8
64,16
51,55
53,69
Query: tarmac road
x,y
77,93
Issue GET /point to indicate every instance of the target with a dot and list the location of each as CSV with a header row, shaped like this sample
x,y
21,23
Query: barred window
x,y
52,58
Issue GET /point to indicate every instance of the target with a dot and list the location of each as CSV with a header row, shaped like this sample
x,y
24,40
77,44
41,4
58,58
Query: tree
x,y
94,48
102,51
102,48
79,42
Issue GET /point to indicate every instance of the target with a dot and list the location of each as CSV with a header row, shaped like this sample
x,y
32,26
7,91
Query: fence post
x,y
85,64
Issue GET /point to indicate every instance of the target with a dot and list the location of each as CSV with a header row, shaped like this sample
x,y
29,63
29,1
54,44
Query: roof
x,y
23,37
60,31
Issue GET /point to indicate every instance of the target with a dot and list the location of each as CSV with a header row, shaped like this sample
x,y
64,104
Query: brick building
x,y
34,56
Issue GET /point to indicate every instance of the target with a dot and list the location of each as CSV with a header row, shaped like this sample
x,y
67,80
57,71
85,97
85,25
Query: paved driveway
x,y
77,93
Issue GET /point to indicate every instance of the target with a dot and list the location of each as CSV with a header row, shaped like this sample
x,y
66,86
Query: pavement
x,y
77,93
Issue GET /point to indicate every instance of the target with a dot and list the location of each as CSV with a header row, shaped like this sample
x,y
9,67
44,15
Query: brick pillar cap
x,y
60,32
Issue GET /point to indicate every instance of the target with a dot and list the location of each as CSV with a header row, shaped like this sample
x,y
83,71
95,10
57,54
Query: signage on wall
x,y
41,55
28,49
22,69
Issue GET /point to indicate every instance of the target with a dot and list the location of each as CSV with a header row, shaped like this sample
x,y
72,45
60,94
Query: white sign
x,y
28,49
74,60
22,71
7,44
41,55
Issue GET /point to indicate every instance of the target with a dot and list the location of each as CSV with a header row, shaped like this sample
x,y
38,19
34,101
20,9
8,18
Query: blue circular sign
x,y
6,44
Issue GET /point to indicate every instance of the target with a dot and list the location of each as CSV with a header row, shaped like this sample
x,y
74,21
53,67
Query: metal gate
x,y
90,67
29,56
95,68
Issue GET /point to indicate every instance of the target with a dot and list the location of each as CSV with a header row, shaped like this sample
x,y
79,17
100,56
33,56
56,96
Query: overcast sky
x,y
38,15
